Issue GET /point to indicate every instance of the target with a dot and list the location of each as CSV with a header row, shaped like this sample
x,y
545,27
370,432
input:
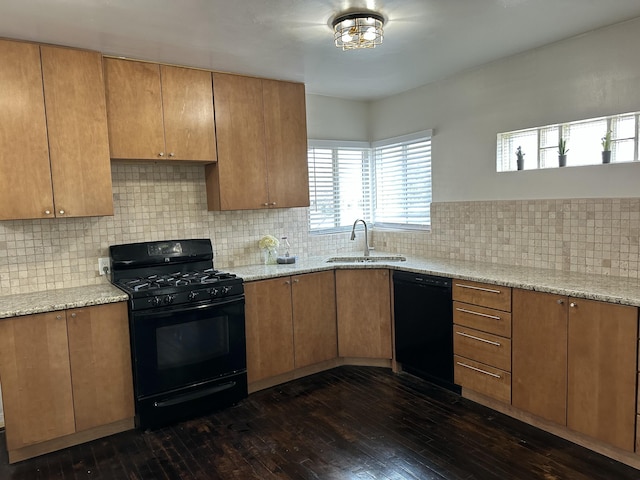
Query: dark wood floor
x,y
347,423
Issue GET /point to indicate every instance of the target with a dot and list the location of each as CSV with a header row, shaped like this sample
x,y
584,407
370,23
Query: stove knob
x,y
168,299
155,301
214,292
192,295
226,290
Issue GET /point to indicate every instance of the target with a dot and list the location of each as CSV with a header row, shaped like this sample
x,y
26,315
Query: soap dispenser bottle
x,y
287,258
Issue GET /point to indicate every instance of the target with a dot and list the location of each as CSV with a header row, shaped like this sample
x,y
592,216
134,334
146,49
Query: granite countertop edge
x,y
59,299
619,290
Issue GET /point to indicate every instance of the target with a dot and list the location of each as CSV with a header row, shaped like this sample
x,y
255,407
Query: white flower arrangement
x,y
268,241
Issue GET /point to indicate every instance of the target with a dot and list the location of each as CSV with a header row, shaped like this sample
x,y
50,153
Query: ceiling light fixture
x,y
356,30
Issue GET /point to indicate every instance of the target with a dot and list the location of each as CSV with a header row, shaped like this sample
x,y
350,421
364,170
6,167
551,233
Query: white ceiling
x,y
425,40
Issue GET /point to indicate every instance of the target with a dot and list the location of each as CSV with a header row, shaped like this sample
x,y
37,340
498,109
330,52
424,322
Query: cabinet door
x,y
539,354
134,109
238,181
25,182
100,364
36,379
269,328
286,143
313,298
602,371
363,299
187,102
78,143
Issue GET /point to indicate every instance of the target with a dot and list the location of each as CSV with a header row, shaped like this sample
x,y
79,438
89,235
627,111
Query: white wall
x,y
330,118
591,75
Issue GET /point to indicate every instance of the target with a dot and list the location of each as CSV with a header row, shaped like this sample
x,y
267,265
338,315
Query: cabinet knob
x,y
172,154
161,154
265,204
295,280
273,203
47,212
58,317
287,282
61,212
573,305
74,315
560,302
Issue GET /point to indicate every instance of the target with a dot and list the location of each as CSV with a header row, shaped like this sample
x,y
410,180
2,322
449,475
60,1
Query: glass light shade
x,y
358,30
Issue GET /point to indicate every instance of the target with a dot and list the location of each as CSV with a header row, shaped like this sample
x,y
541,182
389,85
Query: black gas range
x,y
187,329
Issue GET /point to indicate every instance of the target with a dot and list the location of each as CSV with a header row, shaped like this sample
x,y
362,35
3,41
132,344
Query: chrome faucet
x,y
367,248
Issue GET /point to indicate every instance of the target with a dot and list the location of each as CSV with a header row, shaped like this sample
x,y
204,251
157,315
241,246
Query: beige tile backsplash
x,y
166,201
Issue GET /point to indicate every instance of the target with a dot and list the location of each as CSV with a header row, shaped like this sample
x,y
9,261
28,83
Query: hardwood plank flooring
x,y
347,423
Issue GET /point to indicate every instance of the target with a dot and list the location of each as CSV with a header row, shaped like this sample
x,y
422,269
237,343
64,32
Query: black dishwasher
x,y
424,327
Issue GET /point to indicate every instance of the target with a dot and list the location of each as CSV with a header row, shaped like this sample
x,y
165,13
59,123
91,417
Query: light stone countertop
x,y
61,299
595,287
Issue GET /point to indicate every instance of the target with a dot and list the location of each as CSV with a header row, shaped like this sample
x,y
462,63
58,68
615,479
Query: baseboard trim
x,y
628,458
60,443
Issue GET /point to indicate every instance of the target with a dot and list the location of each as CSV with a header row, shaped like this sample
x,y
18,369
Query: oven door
x,y
180,346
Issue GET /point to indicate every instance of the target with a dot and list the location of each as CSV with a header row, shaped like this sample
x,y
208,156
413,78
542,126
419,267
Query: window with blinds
x,y
387,184
403,181
584,141
339,184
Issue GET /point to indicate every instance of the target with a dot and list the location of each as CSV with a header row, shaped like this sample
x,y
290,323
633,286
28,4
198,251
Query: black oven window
x,y
191,343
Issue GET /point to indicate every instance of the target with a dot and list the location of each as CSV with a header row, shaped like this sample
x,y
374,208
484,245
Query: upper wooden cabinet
x,y
159,112
53,133
363,299
262,145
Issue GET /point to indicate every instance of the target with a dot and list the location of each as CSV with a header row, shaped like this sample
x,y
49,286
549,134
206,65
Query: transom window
x,y
583,143
387,184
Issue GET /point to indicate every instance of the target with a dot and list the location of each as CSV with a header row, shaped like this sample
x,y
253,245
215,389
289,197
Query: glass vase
x,y
270,256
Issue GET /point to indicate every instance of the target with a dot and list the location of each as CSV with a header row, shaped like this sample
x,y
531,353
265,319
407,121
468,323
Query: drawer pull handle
x,y
472,337
464,310
478,370
478,288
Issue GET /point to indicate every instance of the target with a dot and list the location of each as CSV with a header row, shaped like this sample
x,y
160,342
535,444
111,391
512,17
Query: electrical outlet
x,y
103,266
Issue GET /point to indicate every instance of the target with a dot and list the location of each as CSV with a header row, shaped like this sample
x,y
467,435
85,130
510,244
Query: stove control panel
x,y
175,297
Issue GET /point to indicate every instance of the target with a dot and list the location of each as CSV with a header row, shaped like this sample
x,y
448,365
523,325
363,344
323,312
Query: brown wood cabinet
x,y
574,362
290,322
64,373
158,112
315,335
262,145
59,155
482,338
363,300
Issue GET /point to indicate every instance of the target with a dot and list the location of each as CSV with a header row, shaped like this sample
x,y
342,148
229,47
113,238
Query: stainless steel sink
x,y
363,259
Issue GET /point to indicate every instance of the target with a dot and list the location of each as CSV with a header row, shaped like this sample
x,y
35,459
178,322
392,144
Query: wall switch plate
x,y
103,266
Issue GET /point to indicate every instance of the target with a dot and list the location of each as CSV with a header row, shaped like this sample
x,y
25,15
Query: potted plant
x,y
606,147
520,158
562,152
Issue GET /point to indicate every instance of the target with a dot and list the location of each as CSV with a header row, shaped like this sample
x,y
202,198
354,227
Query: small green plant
x,y
562,147
606,142
519,154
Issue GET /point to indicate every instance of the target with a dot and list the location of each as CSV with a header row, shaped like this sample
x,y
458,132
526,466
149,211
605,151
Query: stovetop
x,y
170,273
176,279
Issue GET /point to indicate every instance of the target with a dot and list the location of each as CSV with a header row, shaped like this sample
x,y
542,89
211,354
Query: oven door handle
x,y
194,396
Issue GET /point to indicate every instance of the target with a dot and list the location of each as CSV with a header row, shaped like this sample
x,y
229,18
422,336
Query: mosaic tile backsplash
x,y
167,201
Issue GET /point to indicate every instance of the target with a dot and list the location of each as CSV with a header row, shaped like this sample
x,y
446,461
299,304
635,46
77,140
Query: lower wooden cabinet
x,y
290,323
574,363
63,373
363,300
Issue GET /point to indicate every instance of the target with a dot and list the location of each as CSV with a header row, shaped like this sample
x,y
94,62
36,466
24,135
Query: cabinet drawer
x,y
481,378
483,347
482,318
483,294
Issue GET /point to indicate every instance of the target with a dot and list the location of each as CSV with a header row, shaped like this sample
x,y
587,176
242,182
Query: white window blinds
x,y
339,184
403,181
